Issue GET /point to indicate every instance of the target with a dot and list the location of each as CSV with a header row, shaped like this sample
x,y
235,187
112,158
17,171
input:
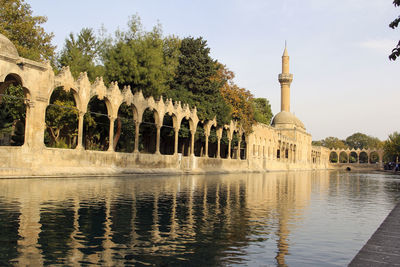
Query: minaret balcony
x,y
285,78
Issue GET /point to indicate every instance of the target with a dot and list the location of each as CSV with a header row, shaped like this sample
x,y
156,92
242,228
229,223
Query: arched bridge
x,y
367,156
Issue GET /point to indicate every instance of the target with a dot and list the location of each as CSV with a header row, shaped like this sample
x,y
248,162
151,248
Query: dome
x,y
7,47
285,117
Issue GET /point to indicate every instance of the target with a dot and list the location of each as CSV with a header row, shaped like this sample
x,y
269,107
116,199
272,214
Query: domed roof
x,y
7,47
285,117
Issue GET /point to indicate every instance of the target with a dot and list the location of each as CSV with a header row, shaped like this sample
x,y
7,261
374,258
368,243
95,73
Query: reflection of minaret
x,y
285,79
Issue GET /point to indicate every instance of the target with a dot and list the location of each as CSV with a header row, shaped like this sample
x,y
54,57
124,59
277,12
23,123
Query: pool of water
x,y
273,219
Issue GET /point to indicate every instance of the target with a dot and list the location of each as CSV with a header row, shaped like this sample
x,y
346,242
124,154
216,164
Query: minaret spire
x,y
285,79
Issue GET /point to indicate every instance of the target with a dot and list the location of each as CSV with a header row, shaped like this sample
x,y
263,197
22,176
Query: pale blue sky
x,y
343,80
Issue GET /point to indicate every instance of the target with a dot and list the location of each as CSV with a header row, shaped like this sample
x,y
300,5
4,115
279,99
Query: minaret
x,y
285,79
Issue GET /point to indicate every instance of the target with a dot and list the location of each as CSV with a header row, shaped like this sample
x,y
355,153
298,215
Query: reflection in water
x,y
302,218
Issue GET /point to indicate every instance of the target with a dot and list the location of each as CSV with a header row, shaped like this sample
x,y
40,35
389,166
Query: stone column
x,y
176,141
229,149
192,133
111,134
35,122
219,147
238,150
158,139
137,126
80,130
206,146
381,159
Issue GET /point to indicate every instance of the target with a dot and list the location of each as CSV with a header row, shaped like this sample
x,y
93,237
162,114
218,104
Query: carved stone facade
x,y
283,146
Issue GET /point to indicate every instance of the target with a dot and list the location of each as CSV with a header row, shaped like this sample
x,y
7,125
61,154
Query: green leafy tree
x,y
317,143
25,31
82,53
394,24
61,120
333,142
262,110
142,60
392,147
363,141
13,113
194,83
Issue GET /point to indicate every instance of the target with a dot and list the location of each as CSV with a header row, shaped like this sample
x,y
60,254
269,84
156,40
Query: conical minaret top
x,y
285,79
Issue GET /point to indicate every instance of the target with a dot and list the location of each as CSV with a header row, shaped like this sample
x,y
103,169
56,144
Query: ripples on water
x,y
294,219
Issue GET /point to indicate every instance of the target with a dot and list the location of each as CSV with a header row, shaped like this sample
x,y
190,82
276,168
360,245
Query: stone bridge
x,y
371,156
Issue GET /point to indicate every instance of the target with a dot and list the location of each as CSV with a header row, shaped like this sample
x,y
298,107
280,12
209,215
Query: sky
x,y
343,81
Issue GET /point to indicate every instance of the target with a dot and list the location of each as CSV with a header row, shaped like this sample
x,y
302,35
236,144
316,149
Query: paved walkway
x,y
383,248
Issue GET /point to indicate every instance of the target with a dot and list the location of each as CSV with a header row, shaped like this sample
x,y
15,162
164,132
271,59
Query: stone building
x,y
283,145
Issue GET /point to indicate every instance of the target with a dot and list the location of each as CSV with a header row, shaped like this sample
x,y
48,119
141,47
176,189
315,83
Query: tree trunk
x,y
118,133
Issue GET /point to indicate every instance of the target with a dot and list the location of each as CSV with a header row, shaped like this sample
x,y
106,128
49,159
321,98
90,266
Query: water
x,y
273,219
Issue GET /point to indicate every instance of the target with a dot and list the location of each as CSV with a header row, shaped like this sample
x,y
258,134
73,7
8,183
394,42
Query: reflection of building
x,y
119,221
283,145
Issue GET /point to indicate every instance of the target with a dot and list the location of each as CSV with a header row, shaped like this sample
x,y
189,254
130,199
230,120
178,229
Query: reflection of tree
x,y
208,221
9,224
55,236
91,225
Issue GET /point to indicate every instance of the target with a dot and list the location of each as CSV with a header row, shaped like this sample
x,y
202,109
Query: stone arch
x,y
69,90
184,139
234,144
333,157
61,119
125,128
353,157
13,77
343,157
167,134
286,151
212,142
278,150
14,110
374,157
363,157
200,140
96,125
224,142
148,131
243,146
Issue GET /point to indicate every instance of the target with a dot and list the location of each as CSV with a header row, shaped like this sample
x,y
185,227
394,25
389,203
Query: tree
x,y
392,146
333,142
142,60
262,110
394,24
363,141
13,114
238,99
24,30
194,83
61,119
81,53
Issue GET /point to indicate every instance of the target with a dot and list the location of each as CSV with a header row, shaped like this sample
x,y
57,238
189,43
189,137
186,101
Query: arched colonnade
x,y
83,91
345,155
274,147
